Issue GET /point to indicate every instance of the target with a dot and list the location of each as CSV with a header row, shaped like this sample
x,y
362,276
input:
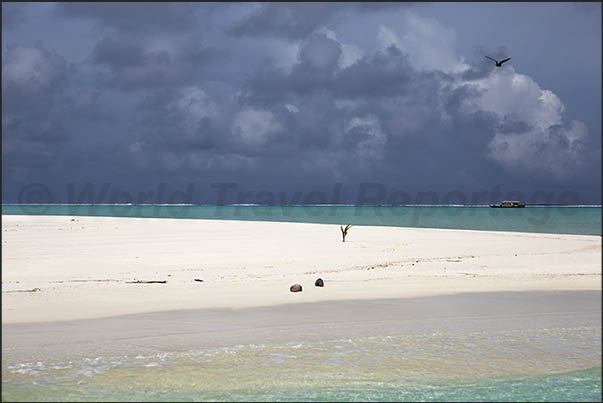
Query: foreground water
x,y
585,220
545,364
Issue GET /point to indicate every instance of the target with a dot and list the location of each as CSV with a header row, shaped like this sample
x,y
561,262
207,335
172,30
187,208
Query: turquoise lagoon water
x,y
585,220
554,364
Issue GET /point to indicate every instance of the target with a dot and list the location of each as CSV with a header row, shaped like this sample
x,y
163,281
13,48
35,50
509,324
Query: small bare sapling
x,y
344,231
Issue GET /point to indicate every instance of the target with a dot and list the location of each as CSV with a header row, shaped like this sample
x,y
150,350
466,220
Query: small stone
x,y
319,283
295,288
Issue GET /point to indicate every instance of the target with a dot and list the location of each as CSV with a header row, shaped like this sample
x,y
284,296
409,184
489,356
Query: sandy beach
x,y
80,267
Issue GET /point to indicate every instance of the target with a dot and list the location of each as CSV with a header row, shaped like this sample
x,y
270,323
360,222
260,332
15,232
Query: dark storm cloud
x,y
32,129
289,20
117,52
31,75
298,20
41,108
152,46
179,120
129,17
379,75
151,62
384,90
383,74
396,108
276,97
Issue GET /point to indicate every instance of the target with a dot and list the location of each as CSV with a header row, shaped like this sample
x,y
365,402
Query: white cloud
x,y
292,108
255,126
285,54
32,68
372,146
429,45
518,96
190,106
350,53
555,150
386,38
165,45
547,144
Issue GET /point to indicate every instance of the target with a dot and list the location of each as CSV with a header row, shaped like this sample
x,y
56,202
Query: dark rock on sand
x,y
319,283
296,288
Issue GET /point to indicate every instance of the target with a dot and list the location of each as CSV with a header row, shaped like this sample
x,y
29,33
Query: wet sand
x,y
185,330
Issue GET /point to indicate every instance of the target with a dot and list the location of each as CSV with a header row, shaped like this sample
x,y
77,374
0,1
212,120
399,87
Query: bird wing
x,y
491,59
506,60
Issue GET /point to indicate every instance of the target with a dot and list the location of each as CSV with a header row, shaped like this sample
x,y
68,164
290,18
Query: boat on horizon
x,y
508,204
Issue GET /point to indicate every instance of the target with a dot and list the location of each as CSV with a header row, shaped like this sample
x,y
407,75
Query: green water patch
x,y
546,364
578,386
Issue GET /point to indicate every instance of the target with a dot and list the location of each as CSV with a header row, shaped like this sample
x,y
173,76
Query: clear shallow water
x,y
552,364
556,220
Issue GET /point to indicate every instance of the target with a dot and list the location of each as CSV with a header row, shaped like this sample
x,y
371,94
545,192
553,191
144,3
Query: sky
x,y
337,102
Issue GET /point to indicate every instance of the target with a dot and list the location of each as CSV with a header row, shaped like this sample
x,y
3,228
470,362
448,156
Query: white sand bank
x,y
81,267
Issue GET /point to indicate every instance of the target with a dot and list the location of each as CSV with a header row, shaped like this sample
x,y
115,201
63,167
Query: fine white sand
x,y
82,267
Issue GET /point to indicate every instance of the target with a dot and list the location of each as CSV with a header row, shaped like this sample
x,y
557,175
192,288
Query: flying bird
x,y
499,64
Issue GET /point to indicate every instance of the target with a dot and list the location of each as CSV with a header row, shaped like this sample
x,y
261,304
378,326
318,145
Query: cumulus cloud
x,y
555,149
429,45
350,53
289,20
152,61
320,53
129,17
292,108
370,139
295,21
296,101
417,88
255,126
32,69
178,119
32,116
539,140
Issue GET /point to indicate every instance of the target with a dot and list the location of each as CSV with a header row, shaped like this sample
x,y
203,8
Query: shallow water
x,y
556,220
545,364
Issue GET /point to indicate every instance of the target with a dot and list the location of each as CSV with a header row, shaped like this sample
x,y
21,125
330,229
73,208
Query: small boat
x,y
508,204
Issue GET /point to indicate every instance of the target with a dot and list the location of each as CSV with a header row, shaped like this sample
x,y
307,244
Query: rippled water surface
x,y
521,365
